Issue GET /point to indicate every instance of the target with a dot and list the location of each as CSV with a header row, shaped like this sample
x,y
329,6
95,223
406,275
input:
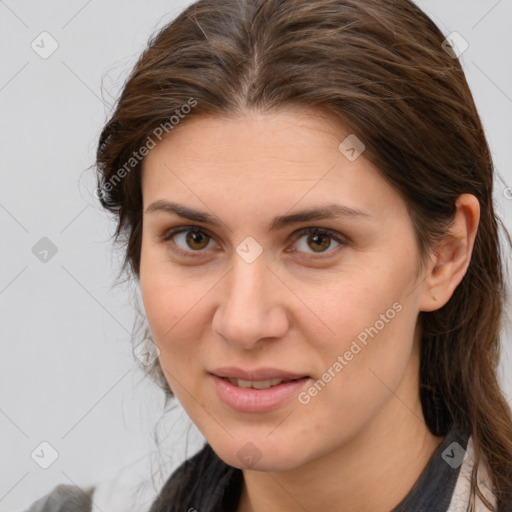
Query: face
x,y
268,253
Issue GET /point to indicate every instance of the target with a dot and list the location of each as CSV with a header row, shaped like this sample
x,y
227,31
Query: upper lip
x,y
256,374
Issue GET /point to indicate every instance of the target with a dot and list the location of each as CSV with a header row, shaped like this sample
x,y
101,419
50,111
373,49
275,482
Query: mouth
x,y
256,391
259,384
256,375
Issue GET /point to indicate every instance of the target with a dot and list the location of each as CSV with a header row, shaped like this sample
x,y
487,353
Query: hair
x,y
381,68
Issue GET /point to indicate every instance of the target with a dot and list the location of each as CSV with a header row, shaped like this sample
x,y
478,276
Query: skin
x,y
361,442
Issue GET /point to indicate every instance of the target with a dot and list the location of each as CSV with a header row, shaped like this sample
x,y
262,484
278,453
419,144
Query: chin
x,y
259,456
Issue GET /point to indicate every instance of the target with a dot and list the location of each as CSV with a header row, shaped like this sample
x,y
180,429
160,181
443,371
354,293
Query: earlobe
x,y
452,255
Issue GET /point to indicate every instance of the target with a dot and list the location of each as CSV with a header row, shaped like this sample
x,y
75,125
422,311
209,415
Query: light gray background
x,y
67,373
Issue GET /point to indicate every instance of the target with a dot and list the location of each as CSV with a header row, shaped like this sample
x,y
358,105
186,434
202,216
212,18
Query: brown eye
x,y
316,240
186,240
196,240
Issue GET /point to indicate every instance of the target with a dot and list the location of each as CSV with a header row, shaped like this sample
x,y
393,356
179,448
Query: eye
x,y
317,239
188,239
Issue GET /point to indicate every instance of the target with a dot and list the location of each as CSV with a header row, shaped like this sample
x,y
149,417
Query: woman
x,y
305,192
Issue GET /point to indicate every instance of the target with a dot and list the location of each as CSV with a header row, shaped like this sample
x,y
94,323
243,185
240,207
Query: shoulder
x,y
64,498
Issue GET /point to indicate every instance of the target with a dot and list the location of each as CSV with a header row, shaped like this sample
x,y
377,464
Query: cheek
x,y
359,377
371,318
159,303
171,318
165,307
175,304
355,300
378,337
163,293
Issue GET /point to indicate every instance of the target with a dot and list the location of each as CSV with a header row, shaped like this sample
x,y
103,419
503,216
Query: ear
x,y
452,256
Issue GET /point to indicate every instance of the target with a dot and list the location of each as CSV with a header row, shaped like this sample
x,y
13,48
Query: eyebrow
x,y
330,211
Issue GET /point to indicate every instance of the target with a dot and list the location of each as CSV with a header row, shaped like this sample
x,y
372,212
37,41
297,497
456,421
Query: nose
x,y
252,305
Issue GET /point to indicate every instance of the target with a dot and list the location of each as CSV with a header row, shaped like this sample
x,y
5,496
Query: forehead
x,y
298,136
292,154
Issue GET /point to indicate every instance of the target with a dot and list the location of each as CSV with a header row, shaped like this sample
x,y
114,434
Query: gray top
x,y
65,498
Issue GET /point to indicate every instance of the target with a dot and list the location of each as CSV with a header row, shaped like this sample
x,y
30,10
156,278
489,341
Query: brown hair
x,y
380,66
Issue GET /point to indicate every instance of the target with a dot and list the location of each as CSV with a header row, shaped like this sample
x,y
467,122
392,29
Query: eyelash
x,y
168,235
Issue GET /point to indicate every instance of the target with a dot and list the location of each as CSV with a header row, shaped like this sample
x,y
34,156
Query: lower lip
x,y
257,400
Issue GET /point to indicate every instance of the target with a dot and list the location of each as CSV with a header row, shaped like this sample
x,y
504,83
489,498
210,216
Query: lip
x,y
257,400
256,374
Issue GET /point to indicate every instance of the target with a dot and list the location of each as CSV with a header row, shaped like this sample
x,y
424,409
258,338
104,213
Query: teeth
x,y
257,384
